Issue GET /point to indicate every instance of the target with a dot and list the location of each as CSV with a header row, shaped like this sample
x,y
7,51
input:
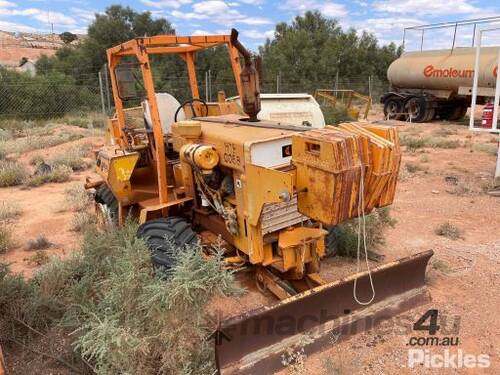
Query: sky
x,y
255,19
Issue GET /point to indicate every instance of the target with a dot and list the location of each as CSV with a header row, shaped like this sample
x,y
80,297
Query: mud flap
x,y
253,343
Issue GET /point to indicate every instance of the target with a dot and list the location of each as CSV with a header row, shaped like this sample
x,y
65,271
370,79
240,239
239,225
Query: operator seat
x,y
167,105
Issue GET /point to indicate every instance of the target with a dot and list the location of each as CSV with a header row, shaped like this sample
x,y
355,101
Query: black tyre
x,y
431,114
331,242
156,232
416,107
393,107
107,204
458,112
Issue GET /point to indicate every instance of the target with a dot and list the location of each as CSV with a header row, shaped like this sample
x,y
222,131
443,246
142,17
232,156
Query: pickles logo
x,y
430,71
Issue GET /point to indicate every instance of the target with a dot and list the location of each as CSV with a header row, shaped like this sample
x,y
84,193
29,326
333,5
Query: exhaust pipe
x,y
249,77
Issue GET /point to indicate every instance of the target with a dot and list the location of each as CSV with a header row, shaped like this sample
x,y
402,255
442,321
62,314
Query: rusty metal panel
x,y
252,343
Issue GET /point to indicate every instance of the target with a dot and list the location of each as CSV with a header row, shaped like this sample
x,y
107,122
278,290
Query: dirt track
x,y
463,277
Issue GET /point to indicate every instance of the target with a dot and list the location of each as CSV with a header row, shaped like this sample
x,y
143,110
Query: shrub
x,y
12,173
9,210
336,115
376,222
121,315
449,230
57,174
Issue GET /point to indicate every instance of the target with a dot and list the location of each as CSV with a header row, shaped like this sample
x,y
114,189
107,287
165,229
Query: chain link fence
x,y
45,96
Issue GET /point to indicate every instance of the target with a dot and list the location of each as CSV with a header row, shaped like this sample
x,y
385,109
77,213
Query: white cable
x,y
361,217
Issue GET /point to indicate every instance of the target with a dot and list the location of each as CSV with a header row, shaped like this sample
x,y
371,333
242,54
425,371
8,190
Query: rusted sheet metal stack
x,y
329,162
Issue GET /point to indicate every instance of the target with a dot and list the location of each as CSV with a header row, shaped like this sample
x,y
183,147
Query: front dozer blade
x,y
253,343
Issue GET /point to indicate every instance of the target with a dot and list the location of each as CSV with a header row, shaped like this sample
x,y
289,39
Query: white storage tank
x,y
295,109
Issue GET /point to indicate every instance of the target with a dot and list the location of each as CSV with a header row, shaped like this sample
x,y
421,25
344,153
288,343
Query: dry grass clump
x,y
82,221
414,168
449,230
36,140
87,121
414,143
57,174
414,130
444,131
487,148
5,238
424,158
39,258
76,198
439,142
73,159
39,243
12,173
37,160
441,266
9,210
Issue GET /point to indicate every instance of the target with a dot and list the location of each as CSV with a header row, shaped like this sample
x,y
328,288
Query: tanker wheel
x,y
416,107
393,108
431,113
458,112
106,206
157,232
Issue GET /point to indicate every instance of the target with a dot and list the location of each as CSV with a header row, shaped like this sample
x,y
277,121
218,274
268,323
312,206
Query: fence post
x,y
209,85
106,78
370,87
103,103
206,87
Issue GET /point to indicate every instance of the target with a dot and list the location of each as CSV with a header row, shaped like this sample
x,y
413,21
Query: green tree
x,y
117,25
312,49
67,37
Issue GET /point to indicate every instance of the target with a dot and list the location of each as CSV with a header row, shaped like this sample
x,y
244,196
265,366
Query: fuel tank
x,y
443,69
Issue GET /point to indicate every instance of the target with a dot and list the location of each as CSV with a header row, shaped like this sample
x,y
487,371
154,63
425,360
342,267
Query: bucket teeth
x,y
252,343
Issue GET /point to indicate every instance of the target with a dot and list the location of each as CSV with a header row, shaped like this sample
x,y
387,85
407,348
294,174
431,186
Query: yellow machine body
x,y
272,191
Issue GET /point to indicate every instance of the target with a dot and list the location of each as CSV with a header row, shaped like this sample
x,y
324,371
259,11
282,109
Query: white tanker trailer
x,y
438,83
